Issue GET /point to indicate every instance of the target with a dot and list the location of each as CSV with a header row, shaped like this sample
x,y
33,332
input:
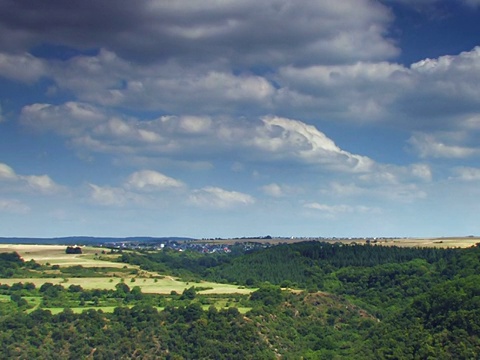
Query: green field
x,y
93,257
147,285
55,255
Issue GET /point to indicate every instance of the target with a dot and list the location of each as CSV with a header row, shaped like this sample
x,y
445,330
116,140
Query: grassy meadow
x,y
55,255
147,285
150,283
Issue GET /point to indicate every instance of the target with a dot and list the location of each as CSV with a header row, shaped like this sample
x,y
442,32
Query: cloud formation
x,y
271,32
38,184
283,109
215,197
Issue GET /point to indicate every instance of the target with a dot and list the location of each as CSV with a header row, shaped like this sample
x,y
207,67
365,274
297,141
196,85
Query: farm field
x,y
55,255
147,285
148,282
440,242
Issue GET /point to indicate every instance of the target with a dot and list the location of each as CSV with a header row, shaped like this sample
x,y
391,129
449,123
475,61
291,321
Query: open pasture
x,y
147,285
440,242
55,255
447,242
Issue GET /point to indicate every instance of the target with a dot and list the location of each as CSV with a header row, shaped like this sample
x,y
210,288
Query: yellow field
x,y
55,255
148,285
454,242
447,242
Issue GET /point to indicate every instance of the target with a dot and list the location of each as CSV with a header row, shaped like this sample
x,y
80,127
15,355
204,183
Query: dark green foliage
x,y
188,294
73,250
10,263
190,265
268,295
80,271
140,332
309,264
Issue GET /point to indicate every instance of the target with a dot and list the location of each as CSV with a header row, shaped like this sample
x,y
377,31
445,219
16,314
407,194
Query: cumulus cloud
x,y
444,87
6,172
340,189
361,91
467,173
109,80
287,138
273,190
250,32
428,145
329,208
270,138
428,94
215,197
24,67
42,184
149,180
70,119
111,196
140,187
333,211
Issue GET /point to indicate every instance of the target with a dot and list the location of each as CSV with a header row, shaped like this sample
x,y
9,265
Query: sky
x,y
237,118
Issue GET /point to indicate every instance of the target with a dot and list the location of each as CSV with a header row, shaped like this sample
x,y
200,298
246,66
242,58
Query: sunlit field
x,y
148,285
148,282
441,242
55,255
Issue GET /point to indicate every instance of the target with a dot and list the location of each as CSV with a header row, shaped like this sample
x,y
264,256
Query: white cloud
x,y
360,91
144,187
149,180
273,190
340,189
41,183
110,196
249,32
6,172
430,94
286,139
444,87
108,80
421,171
467,173
215,197
25,67
69,119
334,209
28,183
269,139
428,145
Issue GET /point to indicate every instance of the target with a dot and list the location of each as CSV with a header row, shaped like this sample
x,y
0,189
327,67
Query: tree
x,y
73,250
188,294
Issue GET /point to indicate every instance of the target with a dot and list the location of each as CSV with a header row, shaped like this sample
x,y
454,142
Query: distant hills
x,y
89,240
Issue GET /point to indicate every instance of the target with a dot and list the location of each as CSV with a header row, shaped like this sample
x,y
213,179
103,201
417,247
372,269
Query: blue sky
x,y
240,118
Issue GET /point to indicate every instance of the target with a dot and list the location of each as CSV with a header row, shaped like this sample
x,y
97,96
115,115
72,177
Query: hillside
x,y
311,300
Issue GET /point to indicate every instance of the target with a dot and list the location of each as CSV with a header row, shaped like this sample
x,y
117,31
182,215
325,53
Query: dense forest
x,y
310,300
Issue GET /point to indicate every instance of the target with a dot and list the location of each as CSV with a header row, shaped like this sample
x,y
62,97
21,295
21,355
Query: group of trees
x,y
139,332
